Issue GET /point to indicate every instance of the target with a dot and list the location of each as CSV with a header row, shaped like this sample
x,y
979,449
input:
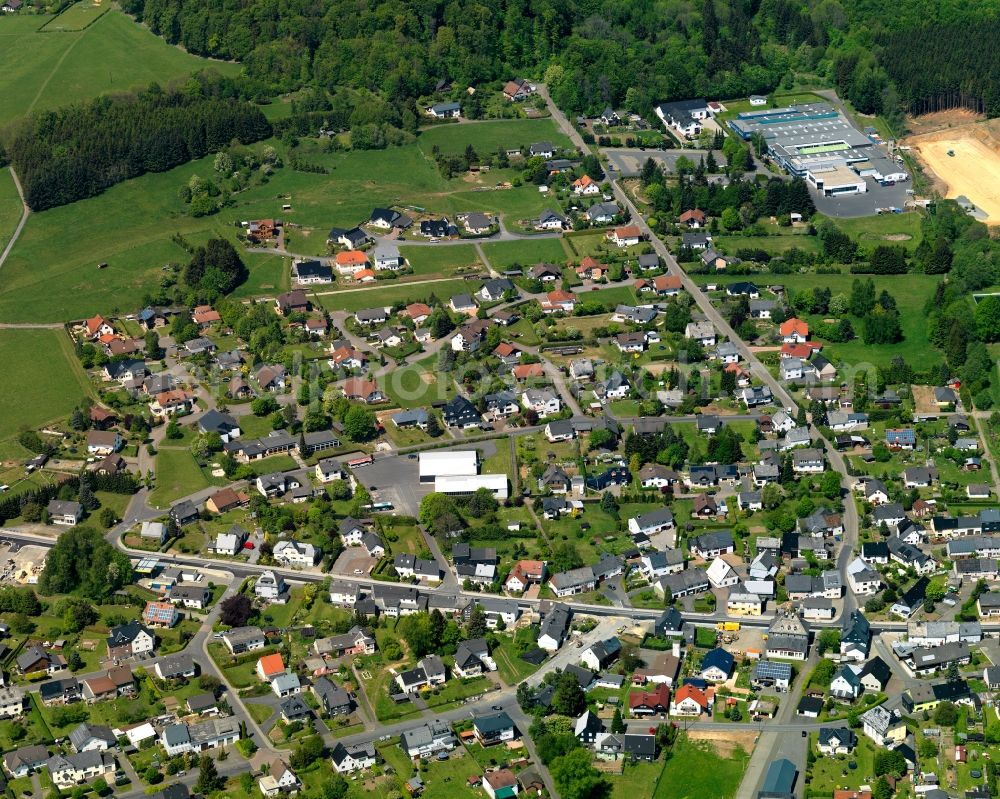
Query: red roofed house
x,y
205,315
517,89
349,358
98,326
585,185
101,418
365,275
527,370
800,350
417,311
649,703
270,666
350,261
507,353
667,285
794,331
559,300
357,388
689,701
693,218
169,403
590,268
226,499
626,236
524,574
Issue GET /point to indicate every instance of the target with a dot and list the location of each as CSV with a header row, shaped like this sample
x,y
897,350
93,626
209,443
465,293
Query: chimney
x,y
676,650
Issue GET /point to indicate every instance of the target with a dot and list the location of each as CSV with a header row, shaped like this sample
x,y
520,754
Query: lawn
x,y
511,668
269,274
441,261
696,771
870,231
77,17
504,254
31,396
392,292
911,292
177,475
582,244
635,781
417,384
47,69
774,245
489,136
10,207
830,773
260,713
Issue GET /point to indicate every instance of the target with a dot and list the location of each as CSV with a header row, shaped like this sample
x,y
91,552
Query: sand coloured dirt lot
x,y
973,170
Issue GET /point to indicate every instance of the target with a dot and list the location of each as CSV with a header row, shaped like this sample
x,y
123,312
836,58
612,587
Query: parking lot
x,y
852,205
396,479
628,163
354,562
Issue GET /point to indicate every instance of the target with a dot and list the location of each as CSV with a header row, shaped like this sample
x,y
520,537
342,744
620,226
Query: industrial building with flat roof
x,y
817,142
454,463
467,484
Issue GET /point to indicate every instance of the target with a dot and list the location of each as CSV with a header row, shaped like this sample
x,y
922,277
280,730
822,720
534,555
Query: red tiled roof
x,y
351,258
793,325
659,697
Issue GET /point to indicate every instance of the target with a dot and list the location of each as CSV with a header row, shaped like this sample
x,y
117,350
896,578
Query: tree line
x,y
883,58
81,150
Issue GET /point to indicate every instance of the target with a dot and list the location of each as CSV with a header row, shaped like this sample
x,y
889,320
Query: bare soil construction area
x,y
964,157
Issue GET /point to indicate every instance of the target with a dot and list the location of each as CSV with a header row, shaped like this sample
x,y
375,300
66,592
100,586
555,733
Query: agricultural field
x,y
61,64
488,136
31,396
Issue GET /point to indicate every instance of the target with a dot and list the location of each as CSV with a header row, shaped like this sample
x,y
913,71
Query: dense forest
x,y
81,150
883,56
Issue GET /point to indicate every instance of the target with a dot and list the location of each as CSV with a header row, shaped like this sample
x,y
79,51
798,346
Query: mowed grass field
x,y
40,380
696,770
871,231
488,136
56,67
77,17
10,207
177,475
442,260
392,292
527,252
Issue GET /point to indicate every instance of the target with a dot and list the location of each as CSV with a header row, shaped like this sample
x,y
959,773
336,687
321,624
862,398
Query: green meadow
x,y
66,62
41,380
